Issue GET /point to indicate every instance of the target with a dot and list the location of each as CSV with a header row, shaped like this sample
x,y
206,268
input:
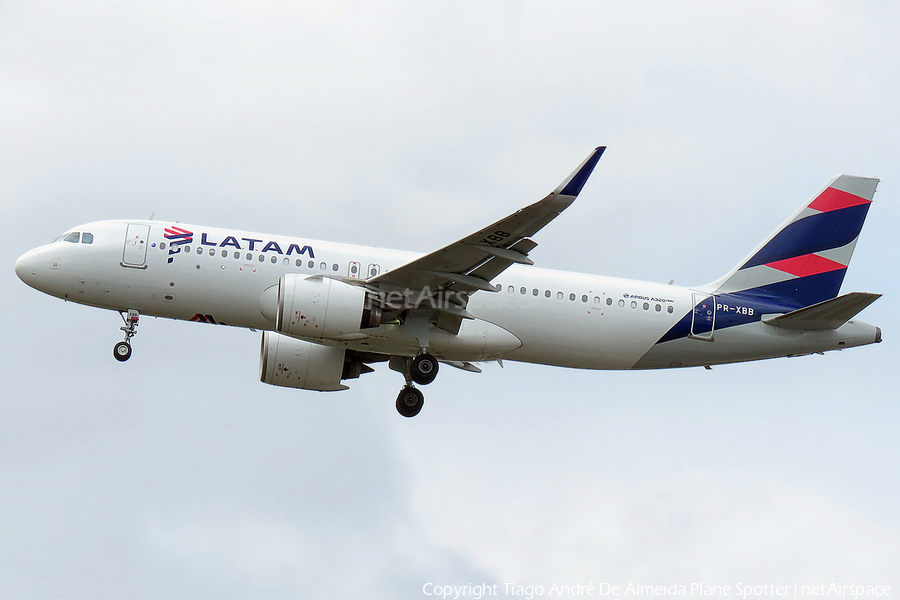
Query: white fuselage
x,y
556,317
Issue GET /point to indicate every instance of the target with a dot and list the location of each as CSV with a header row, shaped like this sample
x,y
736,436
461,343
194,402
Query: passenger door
x,y
703,321
135,252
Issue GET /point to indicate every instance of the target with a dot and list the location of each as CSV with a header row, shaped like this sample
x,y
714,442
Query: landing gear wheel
x,y
410,402
424,369
122,351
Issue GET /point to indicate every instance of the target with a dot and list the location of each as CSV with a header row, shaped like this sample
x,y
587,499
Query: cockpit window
x,y
73,237
87,238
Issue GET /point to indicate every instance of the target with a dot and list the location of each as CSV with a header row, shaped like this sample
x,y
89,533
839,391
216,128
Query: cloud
x,y
409,125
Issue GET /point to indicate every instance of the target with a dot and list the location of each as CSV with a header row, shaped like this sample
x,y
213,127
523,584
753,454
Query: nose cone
x,y
26,267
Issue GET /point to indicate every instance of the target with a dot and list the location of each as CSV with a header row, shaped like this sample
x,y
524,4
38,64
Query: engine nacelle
x,y
290,362
323,308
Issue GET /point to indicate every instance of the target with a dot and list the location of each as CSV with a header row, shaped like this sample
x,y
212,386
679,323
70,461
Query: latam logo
x,y
205,319
178,237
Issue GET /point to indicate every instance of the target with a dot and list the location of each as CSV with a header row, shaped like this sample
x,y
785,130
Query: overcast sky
x,y
409,125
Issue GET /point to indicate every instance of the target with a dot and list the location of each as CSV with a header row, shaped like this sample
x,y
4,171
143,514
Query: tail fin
x,y
804,261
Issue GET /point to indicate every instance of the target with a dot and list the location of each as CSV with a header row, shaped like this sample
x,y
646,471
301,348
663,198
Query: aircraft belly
x,y
227,300
180,292
579,337
477,340
754,341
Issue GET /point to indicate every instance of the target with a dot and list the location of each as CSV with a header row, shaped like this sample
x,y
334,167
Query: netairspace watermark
x,y
737,590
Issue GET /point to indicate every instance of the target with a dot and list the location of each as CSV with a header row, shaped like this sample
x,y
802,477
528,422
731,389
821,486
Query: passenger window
x,y
597,299
162,245
584,298
511,289
323,266
199,250
534,292
354,269
275,259
621,304
633,304
248,256
212,252
372,271
670,309
311,264
262,258
187,249
237,255
572,297
546,293
658,308
298,263
287,261
334,267
73,237
646,306
87,238
224,255
608,301
560,295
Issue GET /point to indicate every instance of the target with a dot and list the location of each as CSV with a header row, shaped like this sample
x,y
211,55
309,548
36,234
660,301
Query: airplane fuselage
x,y
211,275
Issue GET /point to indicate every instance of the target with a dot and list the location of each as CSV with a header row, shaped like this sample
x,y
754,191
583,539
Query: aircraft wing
x,y
469,264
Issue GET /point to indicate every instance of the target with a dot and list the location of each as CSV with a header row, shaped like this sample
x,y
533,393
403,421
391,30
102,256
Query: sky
x,y
409,125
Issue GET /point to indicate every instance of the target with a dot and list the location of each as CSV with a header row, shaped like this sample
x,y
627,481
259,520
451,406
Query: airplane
x,y
327,311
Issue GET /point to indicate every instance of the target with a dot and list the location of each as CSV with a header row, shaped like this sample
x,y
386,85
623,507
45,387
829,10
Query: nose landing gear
x,y
122,350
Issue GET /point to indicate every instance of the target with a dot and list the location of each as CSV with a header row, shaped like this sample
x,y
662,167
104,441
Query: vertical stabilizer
x,y
805,260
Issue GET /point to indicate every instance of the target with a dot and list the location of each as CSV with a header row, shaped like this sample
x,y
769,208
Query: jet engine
x,y
289,362
323,308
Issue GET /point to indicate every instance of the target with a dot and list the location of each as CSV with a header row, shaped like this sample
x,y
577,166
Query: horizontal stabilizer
x,y
830,314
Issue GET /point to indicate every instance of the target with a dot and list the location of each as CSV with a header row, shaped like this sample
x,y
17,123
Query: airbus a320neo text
x,y
328,310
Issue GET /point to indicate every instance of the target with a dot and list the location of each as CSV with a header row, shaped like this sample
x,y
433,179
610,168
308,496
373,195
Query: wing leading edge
x,y
469,265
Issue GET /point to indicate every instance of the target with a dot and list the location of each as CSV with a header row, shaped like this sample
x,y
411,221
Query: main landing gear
x,y
122,350
422,370
410,401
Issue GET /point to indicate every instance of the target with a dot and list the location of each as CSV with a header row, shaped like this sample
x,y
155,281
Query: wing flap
x,y
511,255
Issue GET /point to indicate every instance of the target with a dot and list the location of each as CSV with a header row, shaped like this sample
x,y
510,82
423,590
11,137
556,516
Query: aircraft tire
x,y
122,351
410,402
424,369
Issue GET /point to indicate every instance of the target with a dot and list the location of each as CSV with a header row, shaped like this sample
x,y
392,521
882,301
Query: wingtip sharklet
x,y
573,185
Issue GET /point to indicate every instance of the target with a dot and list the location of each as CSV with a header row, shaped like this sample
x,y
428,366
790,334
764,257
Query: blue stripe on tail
x,y
815,233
